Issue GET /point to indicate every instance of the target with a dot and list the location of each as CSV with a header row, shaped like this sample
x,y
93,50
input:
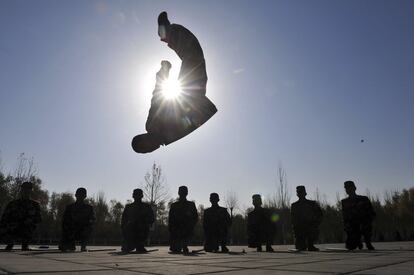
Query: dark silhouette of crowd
x,y
22,215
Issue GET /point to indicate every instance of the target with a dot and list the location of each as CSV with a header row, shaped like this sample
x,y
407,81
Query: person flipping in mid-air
x,y
170,120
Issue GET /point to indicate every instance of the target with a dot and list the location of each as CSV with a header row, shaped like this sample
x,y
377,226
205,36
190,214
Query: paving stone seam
x,y
221,271
56,271
379,266
273,265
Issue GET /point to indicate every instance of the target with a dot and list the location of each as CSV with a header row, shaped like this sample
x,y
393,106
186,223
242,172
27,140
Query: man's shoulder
x,y
345,200
296,203
312,202
70,205
146,205
222,209
88,206
362,198
128,205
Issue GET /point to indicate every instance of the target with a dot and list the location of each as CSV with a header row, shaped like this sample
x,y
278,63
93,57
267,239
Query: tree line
x,y
394,213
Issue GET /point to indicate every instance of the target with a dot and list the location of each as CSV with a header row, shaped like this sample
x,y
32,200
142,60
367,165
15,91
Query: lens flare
x,y
275,218
171,89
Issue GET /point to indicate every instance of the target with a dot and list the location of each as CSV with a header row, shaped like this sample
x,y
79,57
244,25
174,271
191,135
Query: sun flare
x,y
171,88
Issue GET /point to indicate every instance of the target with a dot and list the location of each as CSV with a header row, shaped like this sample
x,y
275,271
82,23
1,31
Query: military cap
x,y
300,188
81,191
349,183
214,196
138,191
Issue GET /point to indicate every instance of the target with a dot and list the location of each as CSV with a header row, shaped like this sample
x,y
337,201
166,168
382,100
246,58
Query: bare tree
x,y
1,164
320,198
282,192
155,189
231,200
25,171
156,193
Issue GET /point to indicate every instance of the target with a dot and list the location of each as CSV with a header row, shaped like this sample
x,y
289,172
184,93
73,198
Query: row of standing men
x,y
21,216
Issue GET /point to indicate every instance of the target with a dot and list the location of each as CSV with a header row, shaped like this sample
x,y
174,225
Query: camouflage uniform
x,y
260,228
19,221
136,220
77,223
215,223
181,221
306,218
358,215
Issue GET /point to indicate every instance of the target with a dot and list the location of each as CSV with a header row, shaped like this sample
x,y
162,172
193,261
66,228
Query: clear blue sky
x,y
296,82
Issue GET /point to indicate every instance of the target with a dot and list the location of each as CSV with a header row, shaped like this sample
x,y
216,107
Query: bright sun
x,y
171,88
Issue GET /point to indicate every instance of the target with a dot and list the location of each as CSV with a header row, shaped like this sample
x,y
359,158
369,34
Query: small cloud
x,y
120,17
101,8
136,17
238,71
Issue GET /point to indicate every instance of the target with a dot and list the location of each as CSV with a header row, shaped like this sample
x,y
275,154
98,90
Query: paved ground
x,y
390,258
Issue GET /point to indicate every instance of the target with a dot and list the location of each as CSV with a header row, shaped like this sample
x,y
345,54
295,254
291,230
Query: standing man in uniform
x,y
216,223
77,223
260,228
20,218
136,221
358,215
181,221
306,218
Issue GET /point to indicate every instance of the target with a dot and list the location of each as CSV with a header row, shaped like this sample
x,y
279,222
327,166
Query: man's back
x,y
182,216
216,217
305,212
138,213
184,43
79,214
357,209
22,211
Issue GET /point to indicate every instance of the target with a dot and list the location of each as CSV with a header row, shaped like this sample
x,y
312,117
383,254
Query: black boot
x,y
370,246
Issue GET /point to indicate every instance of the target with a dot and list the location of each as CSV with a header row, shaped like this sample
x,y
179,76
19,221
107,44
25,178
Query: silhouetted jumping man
x,y
216,223
136,221
358,215
20,218
77,223
306,217
181,221
260,228
172,119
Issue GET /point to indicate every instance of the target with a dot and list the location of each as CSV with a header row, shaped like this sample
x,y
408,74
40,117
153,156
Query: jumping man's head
x,y
350,188
80,194
257,200
137,194
214,198
183,192
163,26
301,192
